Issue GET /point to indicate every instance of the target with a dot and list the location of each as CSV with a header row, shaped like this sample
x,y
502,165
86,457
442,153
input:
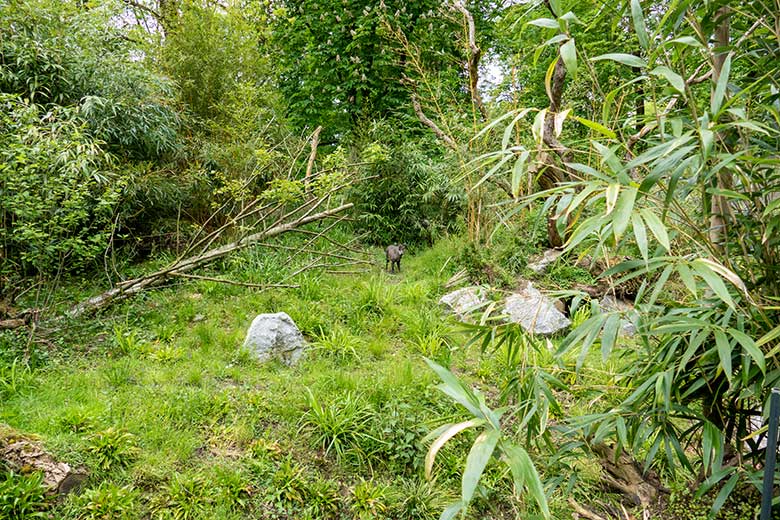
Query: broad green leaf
x,y
769,336
451,511
538,126
720,87
687,278
671,76
518,172
625,59
495,122
623,210
639,24
477,459
448,434
610,159
656,227
750,347
555,5
455,389
640,233
724,352
686,40
510,127
569,55
603,130
724,493
726,273
707,141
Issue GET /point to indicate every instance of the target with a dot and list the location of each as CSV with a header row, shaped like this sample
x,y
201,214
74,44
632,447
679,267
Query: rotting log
x,y
624,474
24,454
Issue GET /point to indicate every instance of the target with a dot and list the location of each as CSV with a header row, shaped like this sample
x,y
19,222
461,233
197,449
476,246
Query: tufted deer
x,y
394,254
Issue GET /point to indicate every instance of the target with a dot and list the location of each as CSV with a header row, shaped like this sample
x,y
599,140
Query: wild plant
x,y
368,500
419,500
23,497
183,498
341,427
107,501
113,448
323,499
337,344
15,378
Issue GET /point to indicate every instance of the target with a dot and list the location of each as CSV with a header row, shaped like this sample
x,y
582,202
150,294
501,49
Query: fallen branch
x,y
473,61
315,141
236,282
132,287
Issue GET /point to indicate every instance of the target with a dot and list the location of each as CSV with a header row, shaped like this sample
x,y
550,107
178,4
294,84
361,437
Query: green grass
x,y
173,419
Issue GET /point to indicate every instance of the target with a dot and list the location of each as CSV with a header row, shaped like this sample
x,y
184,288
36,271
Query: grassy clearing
x,y
173,420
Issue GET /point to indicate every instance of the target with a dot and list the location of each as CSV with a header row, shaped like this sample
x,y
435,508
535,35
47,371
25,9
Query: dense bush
x,y
57,189
408,196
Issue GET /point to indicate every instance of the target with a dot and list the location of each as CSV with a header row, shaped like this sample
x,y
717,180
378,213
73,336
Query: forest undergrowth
x,y
156,399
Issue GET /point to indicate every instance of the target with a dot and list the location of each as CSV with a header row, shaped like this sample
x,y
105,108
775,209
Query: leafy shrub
x,y
401,426
107,501
58,195
113,448
408,198
22,497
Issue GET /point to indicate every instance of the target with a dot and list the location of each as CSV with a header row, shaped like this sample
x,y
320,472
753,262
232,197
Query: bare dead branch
x,y
475,53
449,141
131,287
315,141
235,282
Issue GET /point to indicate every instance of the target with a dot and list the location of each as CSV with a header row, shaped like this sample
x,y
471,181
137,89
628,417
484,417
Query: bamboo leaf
x,y
625,59
623,210
671,76
546,23
448,434
477,459
713,281
640,234
656,227
518,171
451,511
603,130
639,24
724,352
613,190
720,87
609,335
569,55
524,474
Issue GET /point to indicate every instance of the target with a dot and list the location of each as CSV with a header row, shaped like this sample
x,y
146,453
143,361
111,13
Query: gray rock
x,y
464,301
627,324
275,336
539,264
534,311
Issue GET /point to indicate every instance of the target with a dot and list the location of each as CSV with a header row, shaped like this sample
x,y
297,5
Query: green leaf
x,y
750,347
720,87
724,352
686,40
546,23
518,171
639,24
609,335
707,140
656,227
714,281
671,76
455,389
640,233
769,336
555,5
724,493
451,511
524,474
625,59
477,459
569,55
687,278
603,130
623,209
611,195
